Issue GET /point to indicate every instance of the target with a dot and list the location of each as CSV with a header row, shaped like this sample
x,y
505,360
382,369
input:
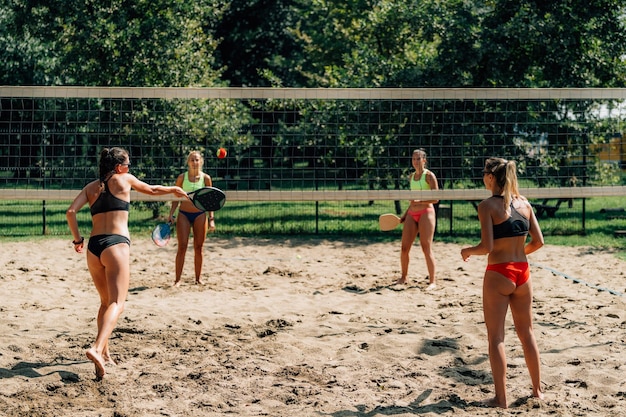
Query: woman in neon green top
x,y
190,218
419,218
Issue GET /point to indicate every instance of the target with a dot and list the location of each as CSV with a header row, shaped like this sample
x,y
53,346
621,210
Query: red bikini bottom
x,y
517,272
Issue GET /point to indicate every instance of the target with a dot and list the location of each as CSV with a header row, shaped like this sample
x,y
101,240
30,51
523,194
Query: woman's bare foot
x,y
431,287
401,281
176,283
538,394
494,402
199,281
98,361
108,360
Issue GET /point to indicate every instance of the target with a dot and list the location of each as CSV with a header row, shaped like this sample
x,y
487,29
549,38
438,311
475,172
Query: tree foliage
x,y
323,43
116,43
460,43
256,46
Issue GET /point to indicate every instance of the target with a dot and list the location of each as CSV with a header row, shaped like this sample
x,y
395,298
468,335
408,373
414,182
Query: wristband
x,y
82,239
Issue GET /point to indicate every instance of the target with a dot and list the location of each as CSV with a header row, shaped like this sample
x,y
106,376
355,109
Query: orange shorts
x,y
517,272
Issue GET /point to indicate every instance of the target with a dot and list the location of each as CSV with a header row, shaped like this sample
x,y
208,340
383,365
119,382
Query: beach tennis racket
x,y
161,234
208,198
388,222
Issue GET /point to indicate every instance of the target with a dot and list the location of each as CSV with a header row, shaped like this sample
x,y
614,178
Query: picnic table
x,y
550,209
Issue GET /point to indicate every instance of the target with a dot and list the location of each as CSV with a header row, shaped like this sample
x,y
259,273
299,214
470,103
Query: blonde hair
x,y
505,174
192,153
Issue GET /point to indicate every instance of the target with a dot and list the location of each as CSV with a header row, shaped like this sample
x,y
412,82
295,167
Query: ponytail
x,y
510,189
505,174
109,159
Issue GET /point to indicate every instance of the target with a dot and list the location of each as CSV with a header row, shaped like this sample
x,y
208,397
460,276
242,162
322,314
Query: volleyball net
x,y
320,145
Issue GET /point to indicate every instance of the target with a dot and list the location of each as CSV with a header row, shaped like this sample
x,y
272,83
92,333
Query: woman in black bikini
x,y
108,250
506,218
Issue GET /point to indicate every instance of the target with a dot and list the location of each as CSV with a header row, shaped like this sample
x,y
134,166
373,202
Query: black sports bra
x,y
108,202
515,225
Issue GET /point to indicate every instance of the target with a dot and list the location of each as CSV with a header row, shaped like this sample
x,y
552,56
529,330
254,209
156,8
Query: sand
x,y
304,327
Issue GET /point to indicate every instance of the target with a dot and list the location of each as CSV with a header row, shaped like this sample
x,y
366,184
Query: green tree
x,y
256,45
459,43
26,44
565,43
137,43
118,43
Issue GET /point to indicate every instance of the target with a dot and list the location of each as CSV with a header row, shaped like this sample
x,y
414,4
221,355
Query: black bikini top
x,y
516,225
108,202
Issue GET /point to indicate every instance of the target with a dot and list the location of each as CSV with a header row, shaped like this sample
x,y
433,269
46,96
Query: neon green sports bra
x,y
189,186
421,184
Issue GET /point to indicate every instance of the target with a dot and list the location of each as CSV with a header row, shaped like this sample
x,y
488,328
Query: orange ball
x,y
221,153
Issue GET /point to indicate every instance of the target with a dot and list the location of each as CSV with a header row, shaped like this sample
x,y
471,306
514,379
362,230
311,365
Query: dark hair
x,y
109,159
505,174
420,151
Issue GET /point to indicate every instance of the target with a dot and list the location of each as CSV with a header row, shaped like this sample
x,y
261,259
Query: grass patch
x,y
356,219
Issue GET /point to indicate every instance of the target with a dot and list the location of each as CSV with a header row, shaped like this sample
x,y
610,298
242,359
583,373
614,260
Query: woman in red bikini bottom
x,y
506,218
419,219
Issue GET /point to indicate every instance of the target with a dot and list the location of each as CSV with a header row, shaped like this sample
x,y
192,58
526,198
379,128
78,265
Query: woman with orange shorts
x,y
506,218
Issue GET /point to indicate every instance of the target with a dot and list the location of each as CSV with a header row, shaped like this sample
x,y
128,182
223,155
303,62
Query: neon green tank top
x,y
421,184
189,186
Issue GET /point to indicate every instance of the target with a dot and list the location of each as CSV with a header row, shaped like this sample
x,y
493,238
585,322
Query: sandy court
x,y
303,327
